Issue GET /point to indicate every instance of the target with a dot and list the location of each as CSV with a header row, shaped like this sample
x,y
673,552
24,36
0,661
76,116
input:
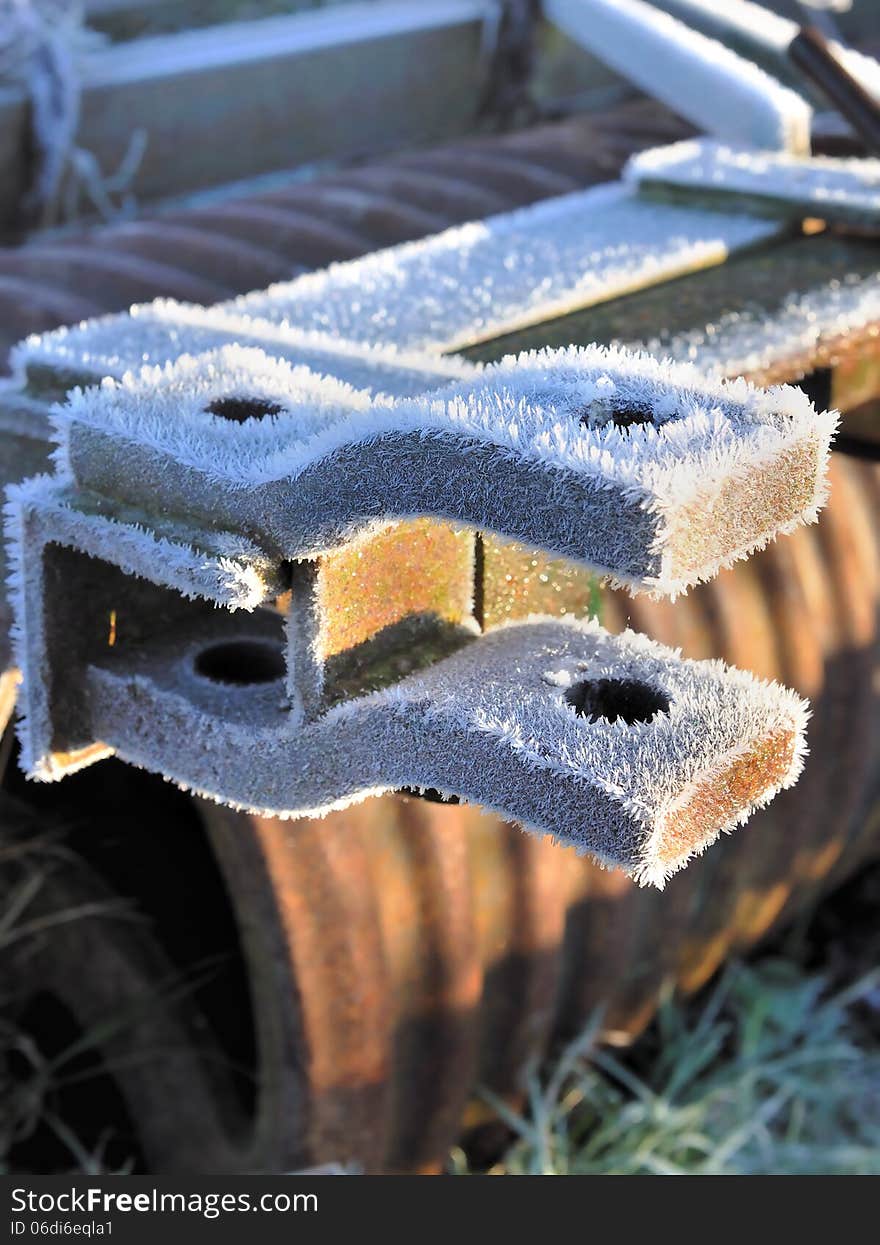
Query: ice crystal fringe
x,y
548,410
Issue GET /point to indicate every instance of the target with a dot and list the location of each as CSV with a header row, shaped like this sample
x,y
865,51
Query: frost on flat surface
x,y
496,723
817,186
617,444
486,278
752,342
160,332
697,77
571,408
515,688
381,322
167,408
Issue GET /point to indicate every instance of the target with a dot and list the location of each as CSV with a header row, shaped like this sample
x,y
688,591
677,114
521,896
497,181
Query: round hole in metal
x,y
241,663
621,417
628,699
237,409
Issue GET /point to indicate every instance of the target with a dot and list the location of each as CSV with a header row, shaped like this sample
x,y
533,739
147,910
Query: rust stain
x,y
756,502
80,755
518,581
416,568
726,793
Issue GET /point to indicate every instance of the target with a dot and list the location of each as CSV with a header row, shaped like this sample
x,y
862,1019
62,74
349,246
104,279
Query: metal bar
x,y
245,98
822,63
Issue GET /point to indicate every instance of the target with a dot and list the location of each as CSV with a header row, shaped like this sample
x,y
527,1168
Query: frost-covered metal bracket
x,y
327,492
229,478
646,472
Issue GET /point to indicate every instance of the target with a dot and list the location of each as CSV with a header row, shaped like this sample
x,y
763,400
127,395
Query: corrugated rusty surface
x,y
401,952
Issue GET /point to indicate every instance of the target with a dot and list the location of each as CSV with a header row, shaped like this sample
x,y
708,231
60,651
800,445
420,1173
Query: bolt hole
x,y
628,699
621,417
237,410
241,663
